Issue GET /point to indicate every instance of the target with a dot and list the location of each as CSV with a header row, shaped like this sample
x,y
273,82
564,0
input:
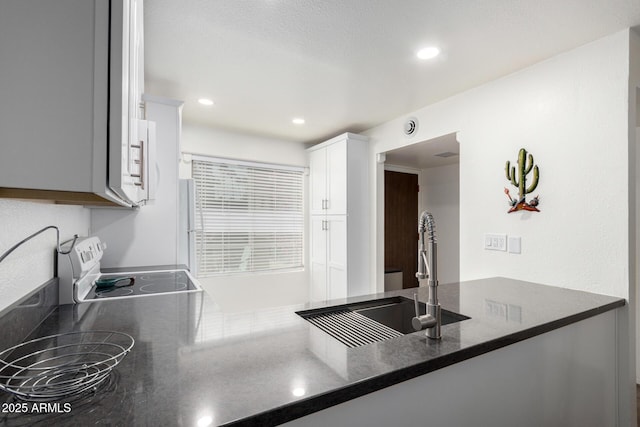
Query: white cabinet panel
x,y
336,203
318,259
328,257
336,229
336,232
46,105
126,86
318,181
328,179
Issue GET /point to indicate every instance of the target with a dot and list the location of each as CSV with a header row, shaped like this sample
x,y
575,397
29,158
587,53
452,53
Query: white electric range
x,y
82,281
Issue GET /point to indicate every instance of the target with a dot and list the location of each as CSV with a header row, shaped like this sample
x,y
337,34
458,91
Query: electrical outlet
x,y
495,242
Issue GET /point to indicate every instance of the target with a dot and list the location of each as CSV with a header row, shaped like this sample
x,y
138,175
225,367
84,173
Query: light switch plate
x,y
514,245
495,242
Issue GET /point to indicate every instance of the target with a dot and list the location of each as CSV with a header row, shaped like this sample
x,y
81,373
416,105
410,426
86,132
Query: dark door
x,y
401,225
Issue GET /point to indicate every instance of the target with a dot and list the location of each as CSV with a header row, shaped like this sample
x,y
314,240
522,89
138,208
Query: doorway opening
x,y
418,177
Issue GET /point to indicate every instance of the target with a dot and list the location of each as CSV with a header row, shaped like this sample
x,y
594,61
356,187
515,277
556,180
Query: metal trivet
x,y
62,365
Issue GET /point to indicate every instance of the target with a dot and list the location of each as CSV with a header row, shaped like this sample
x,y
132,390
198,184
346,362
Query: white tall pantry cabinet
x,y
339,202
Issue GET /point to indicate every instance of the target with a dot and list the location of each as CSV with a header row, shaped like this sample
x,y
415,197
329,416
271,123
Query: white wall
x,y
250,291
634,153
572,113
31,264
218,143
440,187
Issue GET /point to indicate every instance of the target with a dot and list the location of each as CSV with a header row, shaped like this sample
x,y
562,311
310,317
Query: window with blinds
x,y
249,216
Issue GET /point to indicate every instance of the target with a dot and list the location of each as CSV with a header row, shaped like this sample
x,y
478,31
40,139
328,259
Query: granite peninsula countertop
x,y
266,367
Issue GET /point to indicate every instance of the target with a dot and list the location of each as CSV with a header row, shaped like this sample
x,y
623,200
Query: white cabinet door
x,y
136,55
318,180
328,257
53,80
318,259
328,178
336,203
336,231
127,153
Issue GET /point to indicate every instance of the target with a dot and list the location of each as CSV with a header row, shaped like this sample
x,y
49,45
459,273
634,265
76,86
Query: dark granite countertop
x,y
265,367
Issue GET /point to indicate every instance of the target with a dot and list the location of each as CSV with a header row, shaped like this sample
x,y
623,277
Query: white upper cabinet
x,y
71,81
332,185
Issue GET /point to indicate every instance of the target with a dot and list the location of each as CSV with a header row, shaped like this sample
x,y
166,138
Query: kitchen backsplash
x,y
32,264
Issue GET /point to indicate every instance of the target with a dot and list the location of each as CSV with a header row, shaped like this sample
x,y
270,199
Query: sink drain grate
x,y
351,328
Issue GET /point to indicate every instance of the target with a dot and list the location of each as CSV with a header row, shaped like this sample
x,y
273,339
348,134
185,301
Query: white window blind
x,y
250,216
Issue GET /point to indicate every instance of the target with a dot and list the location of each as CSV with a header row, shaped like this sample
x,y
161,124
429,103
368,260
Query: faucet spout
x,y
427,269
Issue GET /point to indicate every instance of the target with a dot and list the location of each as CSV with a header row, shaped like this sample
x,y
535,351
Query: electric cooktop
x,y
144,283
82,281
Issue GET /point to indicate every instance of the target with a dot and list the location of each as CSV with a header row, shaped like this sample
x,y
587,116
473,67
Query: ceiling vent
x,y
410,126
446,154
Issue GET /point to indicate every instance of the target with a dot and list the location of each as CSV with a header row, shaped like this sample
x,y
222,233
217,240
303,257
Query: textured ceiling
x,y
348,65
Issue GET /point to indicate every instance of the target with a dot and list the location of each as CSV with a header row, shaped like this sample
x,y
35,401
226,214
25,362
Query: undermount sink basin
x,y
371,321
397,313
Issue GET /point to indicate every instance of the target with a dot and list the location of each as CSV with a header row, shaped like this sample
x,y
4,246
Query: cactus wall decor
x,y
518,178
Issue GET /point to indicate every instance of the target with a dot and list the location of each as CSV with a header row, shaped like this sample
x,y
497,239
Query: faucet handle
x,y
421,322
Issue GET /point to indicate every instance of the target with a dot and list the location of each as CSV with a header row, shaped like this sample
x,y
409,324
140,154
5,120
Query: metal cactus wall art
x,y
518,178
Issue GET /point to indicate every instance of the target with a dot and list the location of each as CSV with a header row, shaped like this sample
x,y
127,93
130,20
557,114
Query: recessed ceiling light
x,y
298,121
299,391
205,101
205,421
428,52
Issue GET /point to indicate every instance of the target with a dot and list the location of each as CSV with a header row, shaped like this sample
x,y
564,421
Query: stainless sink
x,y
370,321
397,313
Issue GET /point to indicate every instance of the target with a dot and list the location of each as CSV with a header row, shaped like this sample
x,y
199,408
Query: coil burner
x,y
63,365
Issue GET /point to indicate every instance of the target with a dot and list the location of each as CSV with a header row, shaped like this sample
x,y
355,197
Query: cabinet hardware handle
x,y
143,177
